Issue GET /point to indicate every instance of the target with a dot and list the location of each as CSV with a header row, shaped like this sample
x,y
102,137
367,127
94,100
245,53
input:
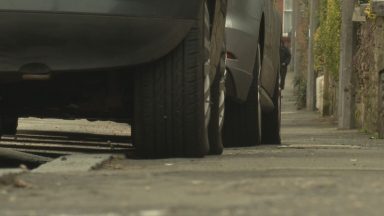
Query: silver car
x,y
253,32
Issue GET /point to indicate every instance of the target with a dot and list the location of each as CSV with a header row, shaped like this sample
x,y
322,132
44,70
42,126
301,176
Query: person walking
x,y
285,60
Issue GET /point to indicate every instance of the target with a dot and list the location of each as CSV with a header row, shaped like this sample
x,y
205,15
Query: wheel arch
x,y
212,4
262,34
261,41
241,91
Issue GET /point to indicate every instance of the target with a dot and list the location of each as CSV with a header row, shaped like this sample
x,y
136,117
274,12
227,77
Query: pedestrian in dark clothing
x,y
285,59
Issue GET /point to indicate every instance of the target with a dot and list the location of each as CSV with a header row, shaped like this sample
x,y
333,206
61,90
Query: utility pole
x,y
346,86
311,78
295,47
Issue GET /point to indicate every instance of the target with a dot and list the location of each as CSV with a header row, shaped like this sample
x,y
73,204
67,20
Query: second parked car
x,y
253,31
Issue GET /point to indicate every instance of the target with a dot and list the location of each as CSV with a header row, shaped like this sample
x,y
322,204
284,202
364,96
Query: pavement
x,y
318,170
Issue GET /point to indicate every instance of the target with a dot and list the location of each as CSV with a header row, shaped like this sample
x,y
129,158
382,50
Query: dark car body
x,y
80,46
65,58
250,22
78,35
147,63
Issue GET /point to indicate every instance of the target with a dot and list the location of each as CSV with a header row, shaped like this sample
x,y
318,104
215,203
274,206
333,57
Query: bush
x,y
327,38
300,92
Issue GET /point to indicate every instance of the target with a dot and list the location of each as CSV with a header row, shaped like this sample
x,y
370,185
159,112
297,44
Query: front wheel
x,y
217,109
172,99
272,121
242,124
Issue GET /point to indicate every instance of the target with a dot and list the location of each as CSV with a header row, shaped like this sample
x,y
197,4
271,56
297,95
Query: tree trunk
x,y
346,86
311,78
295,52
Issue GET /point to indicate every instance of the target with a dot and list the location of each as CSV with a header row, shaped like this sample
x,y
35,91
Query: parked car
x,y
148,63
253,32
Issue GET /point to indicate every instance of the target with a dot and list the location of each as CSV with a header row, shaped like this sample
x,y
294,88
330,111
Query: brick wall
x,y
369,63
280,6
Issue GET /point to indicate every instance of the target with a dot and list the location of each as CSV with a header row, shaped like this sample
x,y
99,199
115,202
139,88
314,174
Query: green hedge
x,y
327,38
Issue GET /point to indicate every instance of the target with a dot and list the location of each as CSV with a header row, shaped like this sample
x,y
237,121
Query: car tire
x,y
272,121
172,99
217,108
242,122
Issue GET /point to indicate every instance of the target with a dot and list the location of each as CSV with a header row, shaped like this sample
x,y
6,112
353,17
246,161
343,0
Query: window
x,y
287,17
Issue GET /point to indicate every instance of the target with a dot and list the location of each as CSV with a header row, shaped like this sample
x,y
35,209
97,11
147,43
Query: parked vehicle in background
x,y
148,63
253,32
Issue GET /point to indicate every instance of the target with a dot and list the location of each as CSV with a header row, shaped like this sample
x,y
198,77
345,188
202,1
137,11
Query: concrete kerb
x,y
74,163
9,172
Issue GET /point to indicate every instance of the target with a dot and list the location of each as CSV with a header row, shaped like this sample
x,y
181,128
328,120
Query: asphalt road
x,y
318,170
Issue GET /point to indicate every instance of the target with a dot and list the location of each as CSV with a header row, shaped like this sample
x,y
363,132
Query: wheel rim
x,y
222,101
207,94
259,111
207,68
279,110
223,70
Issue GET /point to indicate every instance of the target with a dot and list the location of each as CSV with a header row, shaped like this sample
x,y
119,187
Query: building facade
x,y
285,7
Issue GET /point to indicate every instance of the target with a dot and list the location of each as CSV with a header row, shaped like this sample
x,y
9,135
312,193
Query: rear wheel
x,y
272,121
217,109
172,99
242,124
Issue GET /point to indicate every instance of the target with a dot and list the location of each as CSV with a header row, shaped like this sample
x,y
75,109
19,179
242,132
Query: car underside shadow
x,y
55,143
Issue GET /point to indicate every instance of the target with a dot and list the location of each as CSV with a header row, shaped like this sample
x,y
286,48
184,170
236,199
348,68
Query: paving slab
x,y
73,163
